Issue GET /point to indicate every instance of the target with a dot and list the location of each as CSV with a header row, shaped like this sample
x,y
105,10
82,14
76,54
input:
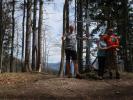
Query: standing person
x,y
112,44
101,54
70,51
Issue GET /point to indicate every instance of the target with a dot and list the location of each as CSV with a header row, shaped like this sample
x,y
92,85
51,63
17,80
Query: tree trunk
x,y
23,36
28,36
40,35
61,70
87,41
13,32
124,34
67,20
75,15
1,42
67,16
80,34
17,53
34,45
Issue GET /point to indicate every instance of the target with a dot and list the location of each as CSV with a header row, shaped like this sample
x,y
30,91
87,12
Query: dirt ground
x,y
33,86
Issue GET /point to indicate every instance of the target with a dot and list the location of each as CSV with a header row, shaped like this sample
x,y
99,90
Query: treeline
x,y
31,43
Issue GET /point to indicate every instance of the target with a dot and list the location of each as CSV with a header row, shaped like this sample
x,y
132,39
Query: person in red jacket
x,y
112,44
112,40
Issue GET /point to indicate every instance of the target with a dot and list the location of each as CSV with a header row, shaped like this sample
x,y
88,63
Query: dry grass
x,y
35,86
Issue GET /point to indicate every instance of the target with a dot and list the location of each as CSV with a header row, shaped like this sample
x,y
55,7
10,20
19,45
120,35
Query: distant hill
x,y
54,66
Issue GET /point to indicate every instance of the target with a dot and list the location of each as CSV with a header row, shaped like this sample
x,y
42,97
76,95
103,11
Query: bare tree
x,y
6,36
65,30
28,36
13,32
23,34
61,70
17,47
40,35
34,45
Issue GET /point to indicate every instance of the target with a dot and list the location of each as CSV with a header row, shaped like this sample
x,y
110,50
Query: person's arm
x,y
105,48
83,38
101,48
113,46
64,37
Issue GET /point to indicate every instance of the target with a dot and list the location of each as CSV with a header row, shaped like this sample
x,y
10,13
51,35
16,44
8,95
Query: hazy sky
x,y
53,24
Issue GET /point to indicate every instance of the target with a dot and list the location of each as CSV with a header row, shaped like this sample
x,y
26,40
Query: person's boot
x,y
117,75
100,78
78,76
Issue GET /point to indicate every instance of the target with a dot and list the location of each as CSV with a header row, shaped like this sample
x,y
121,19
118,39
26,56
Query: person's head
x,y
71,28
110,31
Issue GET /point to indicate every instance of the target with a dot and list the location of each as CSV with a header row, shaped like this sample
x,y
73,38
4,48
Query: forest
x,y
25,56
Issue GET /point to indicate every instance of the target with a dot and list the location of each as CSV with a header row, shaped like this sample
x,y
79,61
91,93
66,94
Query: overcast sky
x,y
53,24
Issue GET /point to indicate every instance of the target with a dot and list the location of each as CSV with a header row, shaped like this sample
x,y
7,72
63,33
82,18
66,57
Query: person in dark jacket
x,y
101,54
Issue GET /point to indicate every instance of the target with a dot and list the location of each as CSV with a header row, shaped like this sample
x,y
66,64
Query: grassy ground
x,y
34,86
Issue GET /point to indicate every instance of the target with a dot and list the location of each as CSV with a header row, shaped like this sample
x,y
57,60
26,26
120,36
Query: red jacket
x,y
112,41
